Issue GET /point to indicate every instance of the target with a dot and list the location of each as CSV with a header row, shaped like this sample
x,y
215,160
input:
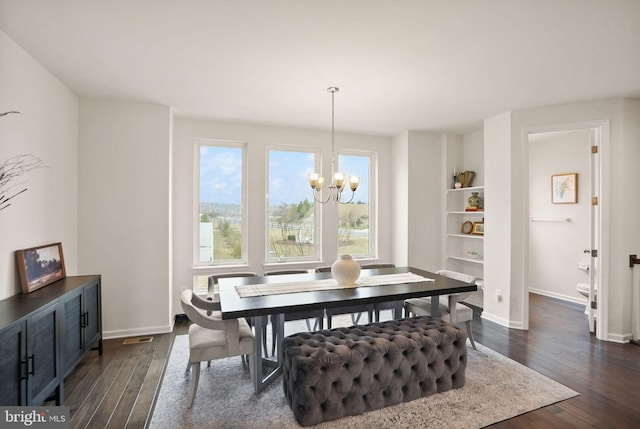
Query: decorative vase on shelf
x,y
345,270
474,200
465,178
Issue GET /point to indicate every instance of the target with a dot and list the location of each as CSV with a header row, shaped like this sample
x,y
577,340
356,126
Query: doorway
x,y
563,228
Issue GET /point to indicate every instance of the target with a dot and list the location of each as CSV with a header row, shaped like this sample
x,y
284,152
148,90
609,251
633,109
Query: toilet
x,y
583,288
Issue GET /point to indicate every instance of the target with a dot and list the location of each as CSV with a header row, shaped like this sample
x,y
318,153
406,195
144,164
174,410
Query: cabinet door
x,y
72,333
92,328
13,371
43,364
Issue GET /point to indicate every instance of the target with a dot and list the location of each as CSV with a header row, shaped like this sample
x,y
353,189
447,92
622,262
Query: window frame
x,y
244,257
317,213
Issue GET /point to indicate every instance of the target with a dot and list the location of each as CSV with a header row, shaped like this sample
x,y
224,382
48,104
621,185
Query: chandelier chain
x,y
333,91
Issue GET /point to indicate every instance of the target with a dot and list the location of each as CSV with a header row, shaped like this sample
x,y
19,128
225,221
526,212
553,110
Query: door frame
x,y
601,131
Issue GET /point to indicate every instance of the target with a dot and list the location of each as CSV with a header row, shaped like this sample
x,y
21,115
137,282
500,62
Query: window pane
x,y
291,223
354,233
221,196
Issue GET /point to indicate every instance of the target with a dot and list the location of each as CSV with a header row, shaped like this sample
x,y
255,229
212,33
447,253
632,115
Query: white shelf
x,y
472,236
470,189
459,258
467,213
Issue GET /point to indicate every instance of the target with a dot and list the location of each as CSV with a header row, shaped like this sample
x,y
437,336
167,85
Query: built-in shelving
x,y
464,252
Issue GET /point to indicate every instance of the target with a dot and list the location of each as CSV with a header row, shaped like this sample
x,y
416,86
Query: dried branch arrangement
x,y
13,168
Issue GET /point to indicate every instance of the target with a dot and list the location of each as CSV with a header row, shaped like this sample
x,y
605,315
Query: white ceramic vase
x,y
345,270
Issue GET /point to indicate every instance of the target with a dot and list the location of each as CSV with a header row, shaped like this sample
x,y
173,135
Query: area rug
x,y
496,389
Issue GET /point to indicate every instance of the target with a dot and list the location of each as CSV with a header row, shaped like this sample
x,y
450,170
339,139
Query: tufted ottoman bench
x,y
346,371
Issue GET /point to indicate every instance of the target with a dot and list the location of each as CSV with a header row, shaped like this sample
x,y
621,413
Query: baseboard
x,y
575,300
151,330
617,338
500,321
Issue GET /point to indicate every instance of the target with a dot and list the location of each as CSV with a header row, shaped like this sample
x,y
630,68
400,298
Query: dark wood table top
x,y
232,306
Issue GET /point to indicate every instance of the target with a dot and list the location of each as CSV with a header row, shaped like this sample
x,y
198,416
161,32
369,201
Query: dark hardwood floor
x,y
117,390
559,345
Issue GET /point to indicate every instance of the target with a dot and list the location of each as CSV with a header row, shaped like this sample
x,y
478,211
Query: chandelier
x,y
340,180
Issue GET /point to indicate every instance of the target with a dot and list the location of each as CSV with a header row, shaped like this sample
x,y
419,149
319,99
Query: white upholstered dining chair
x,y
451,309
210,337
214,295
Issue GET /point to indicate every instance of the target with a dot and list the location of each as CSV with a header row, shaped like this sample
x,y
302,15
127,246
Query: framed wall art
x,y
478,228
40,266
564,188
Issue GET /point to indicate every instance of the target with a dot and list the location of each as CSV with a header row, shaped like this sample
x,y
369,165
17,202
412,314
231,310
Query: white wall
x,y
626,187
400,199
453,158
498,264
425,200
417,200
556,248
505,162
473,155
47,129
259,139
124,212
452,163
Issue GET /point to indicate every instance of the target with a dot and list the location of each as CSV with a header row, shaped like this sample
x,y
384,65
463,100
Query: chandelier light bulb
x,y
354,181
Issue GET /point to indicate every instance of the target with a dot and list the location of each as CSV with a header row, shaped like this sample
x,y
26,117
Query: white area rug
x,y
497,388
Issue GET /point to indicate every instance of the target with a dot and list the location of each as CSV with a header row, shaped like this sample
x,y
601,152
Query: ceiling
x,y
400,65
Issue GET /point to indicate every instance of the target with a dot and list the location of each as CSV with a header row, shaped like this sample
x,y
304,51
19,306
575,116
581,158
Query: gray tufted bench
x,y
346,371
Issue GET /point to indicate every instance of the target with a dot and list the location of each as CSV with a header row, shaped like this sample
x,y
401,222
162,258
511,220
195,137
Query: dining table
x,y
256,298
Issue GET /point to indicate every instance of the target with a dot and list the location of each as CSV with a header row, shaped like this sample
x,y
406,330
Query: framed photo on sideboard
x,y
40,266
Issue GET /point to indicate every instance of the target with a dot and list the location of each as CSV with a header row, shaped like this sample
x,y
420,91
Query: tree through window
x,y
356,222
291,219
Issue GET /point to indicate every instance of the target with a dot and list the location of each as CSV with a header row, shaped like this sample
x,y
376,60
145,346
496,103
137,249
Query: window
x,y
291,220
357,226
221,222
